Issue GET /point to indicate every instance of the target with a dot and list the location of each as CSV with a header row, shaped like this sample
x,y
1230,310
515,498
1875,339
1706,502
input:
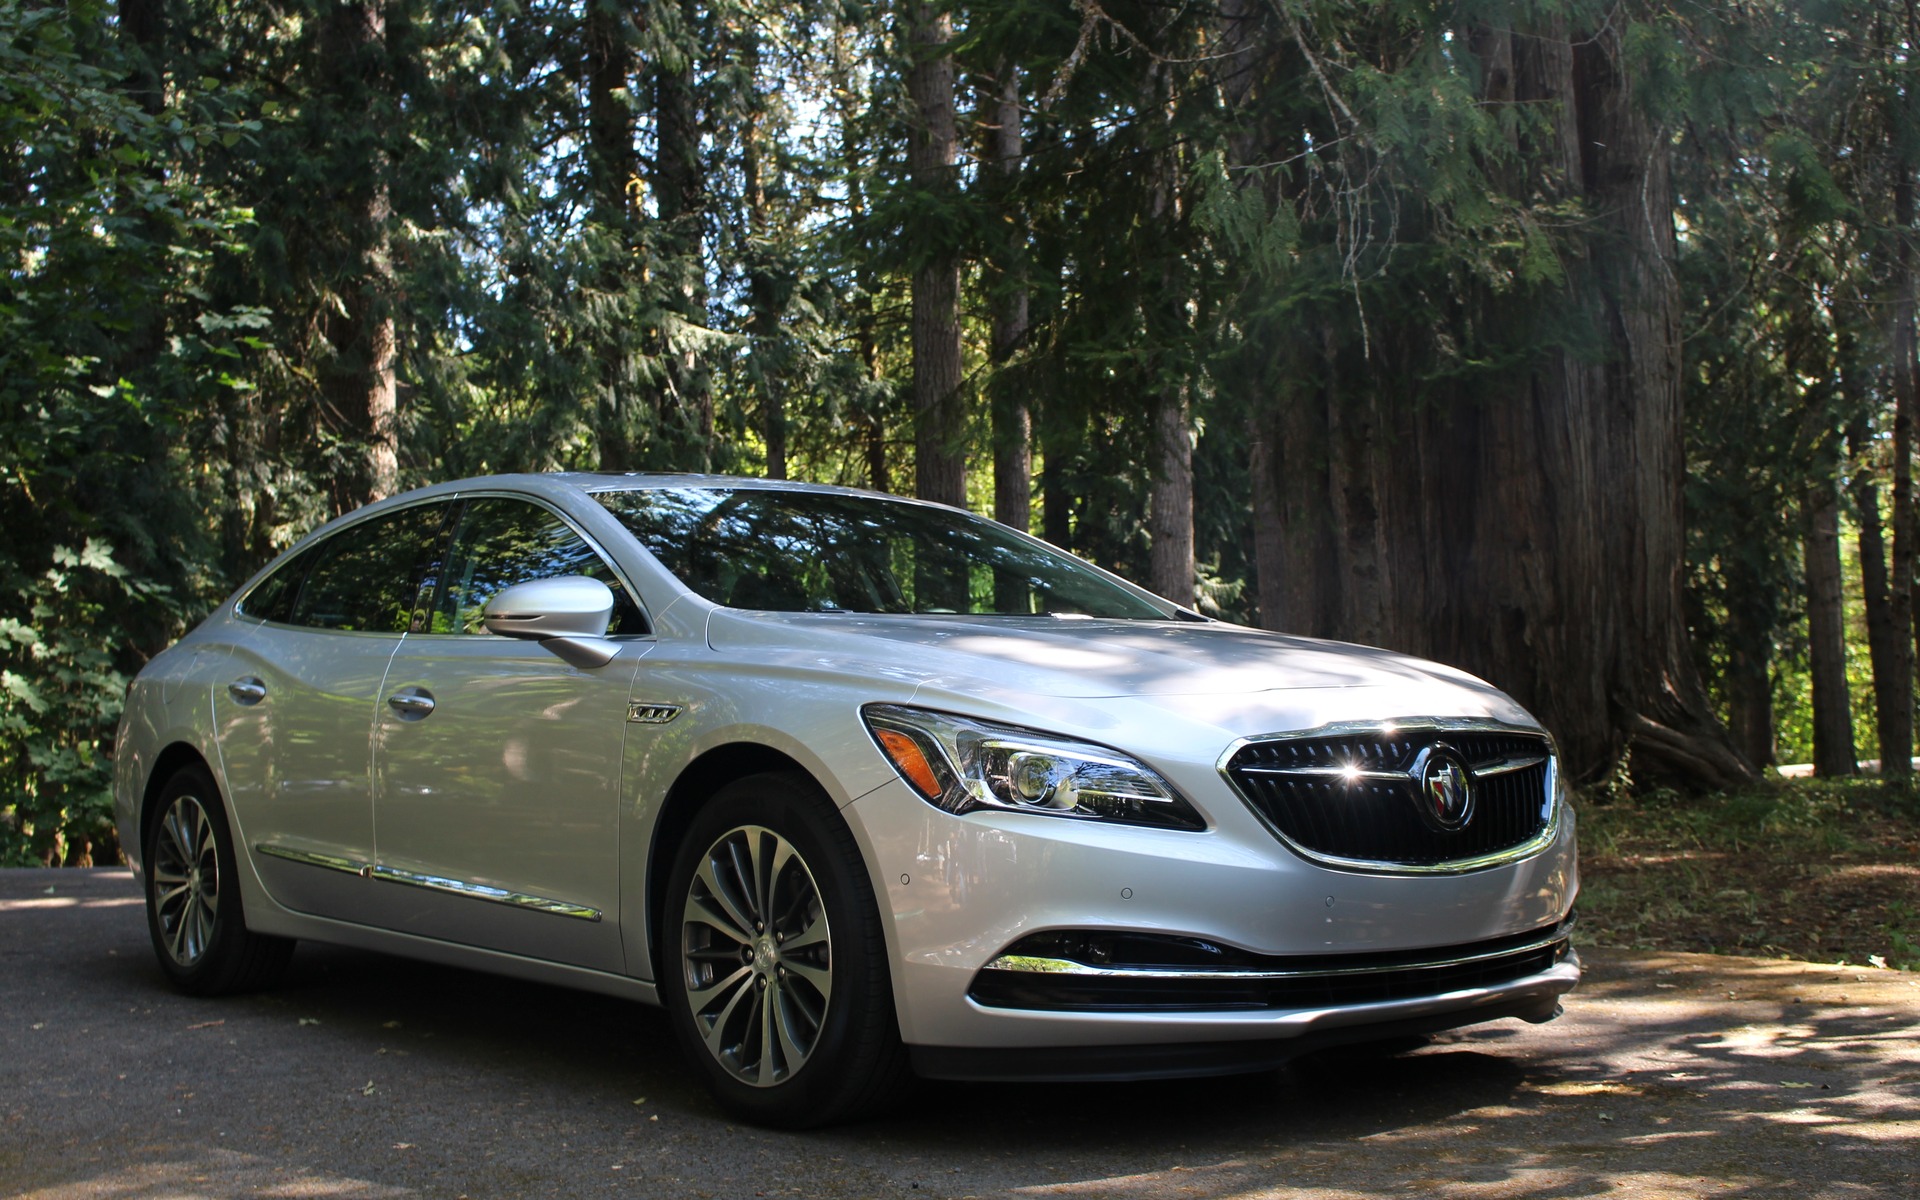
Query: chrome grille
x,y
1354,797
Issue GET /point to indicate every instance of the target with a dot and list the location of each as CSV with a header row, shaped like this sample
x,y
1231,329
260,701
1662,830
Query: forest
x,y
1571,342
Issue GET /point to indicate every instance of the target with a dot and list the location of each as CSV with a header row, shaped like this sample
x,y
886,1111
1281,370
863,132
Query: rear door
x,y
295,714
497,765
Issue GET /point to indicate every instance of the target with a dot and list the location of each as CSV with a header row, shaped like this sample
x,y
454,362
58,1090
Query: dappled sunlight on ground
x,y
213,1173
1670,1075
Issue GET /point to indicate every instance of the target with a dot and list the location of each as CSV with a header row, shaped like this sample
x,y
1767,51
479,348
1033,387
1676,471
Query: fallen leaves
x,y
1587,1087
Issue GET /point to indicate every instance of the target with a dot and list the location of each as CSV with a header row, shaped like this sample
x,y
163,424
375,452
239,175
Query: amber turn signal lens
x,y
912,761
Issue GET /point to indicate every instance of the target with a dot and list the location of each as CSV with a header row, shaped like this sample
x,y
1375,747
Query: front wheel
x,y
777,977
193,896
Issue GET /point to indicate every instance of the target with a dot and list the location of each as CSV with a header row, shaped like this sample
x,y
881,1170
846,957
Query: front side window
x,y
783,551
364,579
499,542
272,598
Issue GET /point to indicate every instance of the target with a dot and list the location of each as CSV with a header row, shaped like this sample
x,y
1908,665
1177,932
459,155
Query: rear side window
x,y
366,579
499,542
272,598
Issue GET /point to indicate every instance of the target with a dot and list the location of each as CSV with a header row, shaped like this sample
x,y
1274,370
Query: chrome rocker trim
x,y
436,883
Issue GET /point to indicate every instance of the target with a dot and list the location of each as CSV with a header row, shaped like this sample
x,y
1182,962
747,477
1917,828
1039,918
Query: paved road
x,y
365,1076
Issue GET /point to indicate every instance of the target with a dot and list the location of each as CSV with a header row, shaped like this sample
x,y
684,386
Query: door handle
x,y
247,690
412,704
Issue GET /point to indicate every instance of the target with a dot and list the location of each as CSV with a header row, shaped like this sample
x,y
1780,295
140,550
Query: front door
x,y
497,765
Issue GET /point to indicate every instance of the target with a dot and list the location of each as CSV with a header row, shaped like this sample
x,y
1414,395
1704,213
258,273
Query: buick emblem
x,y
1446,790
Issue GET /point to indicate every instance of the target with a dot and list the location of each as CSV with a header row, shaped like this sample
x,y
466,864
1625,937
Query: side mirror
x,y
567,615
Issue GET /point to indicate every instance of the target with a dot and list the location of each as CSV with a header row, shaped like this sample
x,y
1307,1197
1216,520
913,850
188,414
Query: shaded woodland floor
x,y
1825,872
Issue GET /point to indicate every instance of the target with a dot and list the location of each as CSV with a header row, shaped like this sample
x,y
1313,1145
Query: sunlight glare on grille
x,y
1374,820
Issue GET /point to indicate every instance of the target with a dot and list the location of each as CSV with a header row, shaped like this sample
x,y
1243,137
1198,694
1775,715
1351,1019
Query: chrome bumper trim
x,y
1063,966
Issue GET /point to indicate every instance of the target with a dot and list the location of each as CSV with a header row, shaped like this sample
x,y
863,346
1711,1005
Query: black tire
x,y
773,963
194,914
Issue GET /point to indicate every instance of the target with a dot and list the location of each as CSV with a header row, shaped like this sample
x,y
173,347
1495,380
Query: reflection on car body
x,y
854,786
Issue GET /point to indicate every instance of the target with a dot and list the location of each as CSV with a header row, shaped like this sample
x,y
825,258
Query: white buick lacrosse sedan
x,y
855,786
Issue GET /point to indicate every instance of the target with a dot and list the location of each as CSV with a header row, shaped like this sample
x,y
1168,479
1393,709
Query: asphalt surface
x,y
366,1076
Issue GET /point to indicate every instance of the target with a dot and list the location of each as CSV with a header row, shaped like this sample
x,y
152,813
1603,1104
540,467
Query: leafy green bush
x,y
107,354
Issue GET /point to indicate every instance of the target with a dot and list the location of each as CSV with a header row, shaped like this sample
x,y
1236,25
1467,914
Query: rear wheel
x,y
194,913
777,977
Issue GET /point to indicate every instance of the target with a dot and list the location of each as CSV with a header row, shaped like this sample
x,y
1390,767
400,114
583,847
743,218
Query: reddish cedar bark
x,y
1528,528
1012,417
939,426
611,164
1833,752
357,382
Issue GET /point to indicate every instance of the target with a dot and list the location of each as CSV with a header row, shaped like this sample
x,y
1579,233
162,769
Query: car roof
x,y
563,482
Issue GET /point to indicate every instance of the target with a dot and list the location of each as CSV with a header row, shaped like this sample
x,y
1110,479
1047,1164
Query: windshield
x,y
781,551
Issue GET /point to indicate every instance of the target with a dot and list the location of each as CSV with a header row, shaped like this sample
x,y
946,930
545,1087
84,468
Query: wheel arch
x,y
169,762
697,783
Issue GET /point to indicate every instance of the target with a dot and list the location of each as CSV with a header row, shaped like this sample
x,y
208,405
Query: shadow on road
x,y
370,1076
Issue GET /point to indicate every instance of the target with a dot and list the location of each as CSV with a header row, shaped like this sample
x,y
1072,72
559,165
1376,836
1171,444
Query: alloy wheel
x,y
756,956
186,877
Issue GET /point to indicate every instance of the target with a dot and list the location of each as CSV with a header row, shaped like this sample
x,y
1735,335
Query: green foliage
x,y
59,698
106,348
1785,178
198,230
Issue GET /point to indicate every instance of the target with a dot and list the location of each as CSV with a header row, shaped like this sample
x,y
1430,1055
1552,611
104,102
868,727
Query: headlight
x,y
960,764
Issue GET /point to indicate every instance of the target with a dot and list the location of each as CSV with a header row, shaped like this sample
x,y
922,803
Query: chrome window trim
x,y
1534,845
307,543
436,883
1557,935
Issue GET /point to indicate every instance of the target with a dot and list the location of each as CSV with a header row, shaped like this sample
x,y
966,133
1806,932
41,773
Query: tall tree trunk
x,y
1747,681
1012,416
357,382
1269,547
939,415
1170,500
1237,72
1305,533
763,303
1170,565
1529,530
1833,752
612,166
1888,693
1057,442
1896,725
871,413
680,198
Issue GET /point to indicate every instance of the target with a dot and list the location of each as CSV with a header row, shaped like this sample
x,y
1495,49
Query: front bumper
x,y
1279,1038
960,892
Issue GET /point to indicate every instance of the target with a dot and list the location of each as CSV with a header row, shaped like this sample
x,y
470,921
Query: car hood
x,y
1046,656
